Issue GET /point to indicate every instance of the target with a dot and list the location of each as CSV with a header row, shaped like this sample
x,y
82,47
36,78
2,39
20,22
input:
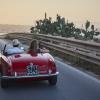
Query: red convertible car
x,y
27,65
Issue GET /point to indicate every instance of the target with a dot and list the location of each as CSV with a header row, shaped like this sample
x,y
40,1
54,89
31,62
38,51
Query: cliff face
x,y
14,28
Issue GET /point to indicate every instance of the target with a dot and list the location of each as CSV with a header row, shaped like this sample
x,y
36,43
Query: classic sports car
x,y
28,65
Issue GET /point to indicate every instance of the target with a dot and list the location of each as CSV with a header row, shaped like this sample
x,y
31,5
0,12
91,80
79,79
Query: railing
x,y
2,36
89,51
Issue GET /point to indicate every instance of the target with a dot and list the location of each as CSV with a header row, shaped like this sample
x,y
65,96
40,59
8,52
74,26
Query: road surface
x,y
73,84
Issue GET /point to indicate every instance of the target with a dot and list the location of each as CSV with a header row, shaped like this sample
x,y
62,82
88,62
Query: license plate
x,y
32,69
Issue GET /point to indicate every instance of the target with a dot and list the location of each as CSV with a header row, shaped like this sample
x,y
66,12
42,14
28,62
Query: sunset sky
x,y
25,12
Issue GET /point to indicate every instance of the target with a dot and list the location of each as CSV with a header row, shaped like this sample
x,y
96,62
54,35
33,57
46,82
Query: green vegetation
x,y
60,27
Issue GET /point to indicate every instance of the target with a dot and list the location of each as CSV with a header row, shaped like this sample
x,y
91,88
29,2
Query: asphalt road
x,y
73,84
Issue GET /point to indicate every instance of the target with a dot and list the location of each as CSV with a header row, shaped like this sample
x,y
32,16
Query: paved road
x,y
72,85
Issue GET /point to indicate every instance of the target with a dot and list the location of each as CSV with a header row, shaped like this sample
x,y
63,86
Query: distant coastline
x,y
2,33
5,28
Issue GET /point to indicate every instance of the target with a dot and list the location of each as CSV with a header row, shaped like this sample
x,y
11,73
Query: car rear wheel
x,y
53,80
4,83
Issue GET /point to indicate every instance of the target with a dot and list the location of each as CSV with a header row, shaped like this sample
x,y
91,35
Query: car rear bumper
x,y
34,76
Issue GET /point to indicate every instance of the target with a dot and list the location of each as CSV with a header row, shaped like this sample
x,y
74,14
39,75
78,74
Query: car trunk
x,y
26,64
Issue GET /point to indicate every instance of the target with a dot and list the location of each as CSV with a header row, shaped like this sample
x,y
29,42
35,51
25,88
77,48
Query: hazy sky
x,y
27,11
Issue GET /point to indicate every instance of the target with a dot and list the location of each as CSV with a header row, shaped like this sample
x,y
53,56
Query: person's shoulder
x,y
9,49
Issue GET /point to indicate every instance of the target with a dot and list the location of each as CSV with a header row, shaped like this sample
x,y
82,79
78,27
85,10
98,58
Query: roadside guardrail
x,y
89,51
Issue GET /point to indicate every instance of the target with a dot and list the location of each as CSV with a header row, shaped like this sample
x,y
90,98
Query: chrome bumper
x,y
34,76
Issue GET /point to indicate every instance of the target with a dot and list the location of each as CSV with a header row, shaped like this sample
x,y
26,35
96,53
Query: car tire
x,y
53,80
4,83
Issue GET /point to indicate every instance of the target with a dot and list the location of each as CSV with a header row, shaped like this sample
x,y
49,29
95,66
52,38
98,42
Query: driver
x,y
15,48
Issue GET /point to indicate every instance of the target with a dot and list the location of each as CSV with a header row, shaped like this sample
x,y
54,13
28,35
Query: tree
x,y
58,17
32,29
92,32
87,24
92,28
62,28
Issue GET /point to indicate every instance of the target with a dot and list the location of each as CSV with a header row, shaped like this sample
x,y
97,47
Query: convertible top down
x,y
28,65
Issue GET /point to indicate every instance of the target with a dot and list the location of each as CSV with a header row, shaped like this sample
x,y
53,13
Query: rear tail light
x,y
52,66
50,71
